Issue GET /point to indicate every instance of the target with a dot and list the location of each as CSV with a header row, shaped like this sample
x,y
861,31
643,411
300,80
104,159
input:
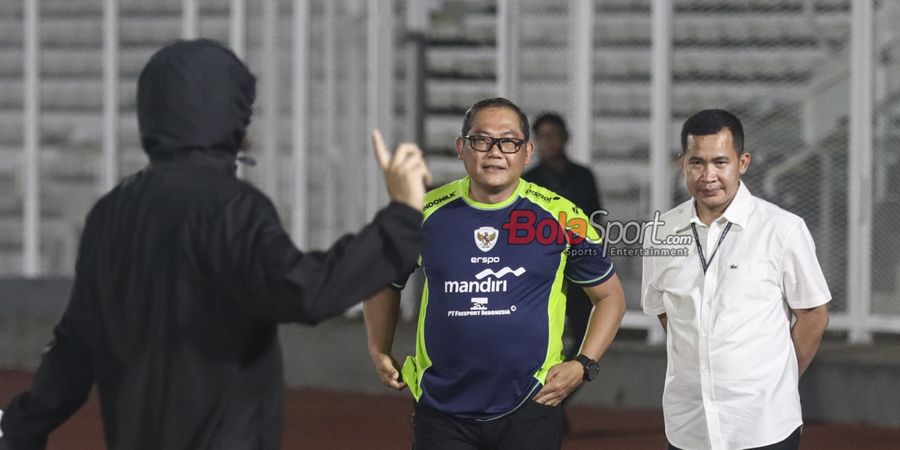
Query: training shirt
x,y
732,375
493,307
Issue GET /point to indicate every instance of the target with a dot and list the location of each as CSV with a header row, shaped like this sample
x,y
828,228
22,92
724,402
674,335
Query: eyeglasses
x,y
485,143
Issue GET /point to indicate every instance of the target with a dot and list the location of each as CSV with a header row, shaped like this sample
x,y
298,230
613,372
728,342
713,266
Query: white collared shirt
x,y
732,375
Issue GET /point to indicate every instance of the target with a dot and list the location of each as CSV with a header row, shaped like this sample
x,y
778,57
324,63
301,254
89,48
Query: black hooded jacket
x,y
184,272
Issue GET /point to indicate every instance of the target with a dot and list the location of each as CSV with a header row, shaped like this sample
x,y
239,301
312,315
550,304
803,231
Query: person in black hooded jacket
x,y
184,272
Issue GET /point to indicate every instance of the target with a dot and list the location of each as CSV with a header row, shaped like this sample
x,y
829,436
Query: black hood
x,y
194,95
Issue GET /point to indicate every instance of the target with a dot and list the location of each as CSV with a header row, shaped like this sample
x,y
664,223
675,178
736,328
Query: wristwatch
x,y
591,368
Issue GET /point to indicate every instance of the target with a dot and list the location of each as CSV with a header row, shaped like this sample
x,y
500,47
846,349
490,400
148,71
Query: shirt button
x,y
703,335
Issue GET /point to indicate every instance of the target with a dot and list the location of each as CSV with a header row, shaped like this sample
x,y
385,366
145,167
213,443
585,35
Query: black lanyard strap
x,y
703,262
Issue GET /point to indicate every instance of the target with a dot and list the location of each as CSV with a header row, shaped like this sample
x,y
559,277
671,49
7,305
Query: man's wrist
x,y
590,367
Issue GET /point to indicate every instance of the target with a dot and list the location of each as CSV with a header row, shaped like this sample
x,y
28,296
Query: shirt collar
x,y
738,212
464,193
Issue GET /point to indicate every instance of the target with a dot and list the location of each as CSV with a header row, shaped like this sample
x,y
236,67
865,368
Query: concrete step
x,y
630,28
68,94
148,29
59,245
62,165
87,7
630,6
85,28
747,64
74,62
611,98
80,131
66,129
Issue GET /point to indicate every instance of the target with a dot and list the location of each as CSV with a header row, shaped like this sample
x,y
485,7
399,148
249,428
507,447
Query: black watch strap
x,y
591,368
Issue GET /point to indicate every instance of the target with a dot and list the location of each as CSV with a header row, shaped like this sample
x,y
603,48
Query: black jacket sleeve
x,y
66,373
284,284
60,386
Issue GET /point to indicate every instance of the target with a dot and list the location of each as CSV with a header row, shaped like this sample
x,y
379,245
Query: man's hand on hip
x,y
562,379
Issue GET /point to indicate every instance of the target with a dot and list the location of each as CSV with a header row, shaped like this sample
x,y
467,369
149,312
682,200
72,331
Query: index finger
x,y
381,154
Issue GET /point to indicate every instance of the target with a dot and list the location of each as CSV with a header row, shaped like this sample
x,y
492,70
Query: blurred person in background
x,y
184,272
577,184
489,370
734,355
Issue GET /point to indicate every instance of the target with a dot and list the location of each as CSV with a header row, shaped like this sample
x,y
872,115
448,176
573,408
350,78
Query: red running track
x,y
347,421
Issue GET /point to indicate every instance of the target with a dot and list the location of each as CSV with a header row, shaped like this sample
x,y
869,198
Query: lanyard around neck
x,y
703,262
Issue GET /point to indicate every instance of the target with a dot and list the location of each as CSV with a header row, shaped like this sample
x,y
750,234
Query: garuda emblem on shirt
x,y
486,238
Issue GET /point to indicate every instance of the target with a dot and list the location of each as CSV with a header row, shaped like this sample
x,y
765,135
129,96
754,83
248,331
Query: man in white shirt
x,y
734,360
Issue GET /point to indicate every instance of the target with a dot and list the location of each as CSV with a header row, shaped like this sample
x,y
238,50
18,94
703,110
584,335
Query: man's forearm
x,y
807,334
380,313
606,316
601,330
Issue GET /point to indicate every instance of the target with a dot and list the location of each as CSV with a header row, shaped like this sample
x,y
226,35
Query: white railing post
x,y
329,125
581,40
300,137
270,100
859,172
237,28
417,20
189,19
380,89
372,54
386,79
353,191
31,221
110,165
660,121
508,21
237,40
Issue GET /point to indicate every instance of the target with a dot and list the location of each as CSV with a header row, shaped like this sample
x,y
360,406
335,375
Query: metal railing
x,y
319,149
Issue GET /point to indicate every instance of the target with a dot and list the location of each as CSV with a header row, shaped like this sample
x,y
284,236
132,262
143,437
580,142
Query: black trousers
x,y
792,442
531,427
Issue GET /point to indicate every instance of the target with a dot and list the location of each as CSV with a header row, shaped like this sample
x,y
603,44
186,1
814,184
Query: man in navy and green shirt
x,y
498,255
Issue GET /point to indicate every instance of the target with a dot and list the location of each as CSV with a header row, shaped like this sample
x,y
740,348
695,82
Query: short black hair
x,y
551,118
496,102
712,121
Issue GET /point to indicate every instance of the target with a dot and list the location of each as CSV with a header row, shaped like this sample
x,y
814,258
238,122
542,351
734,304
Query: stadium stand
x,y
755,56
